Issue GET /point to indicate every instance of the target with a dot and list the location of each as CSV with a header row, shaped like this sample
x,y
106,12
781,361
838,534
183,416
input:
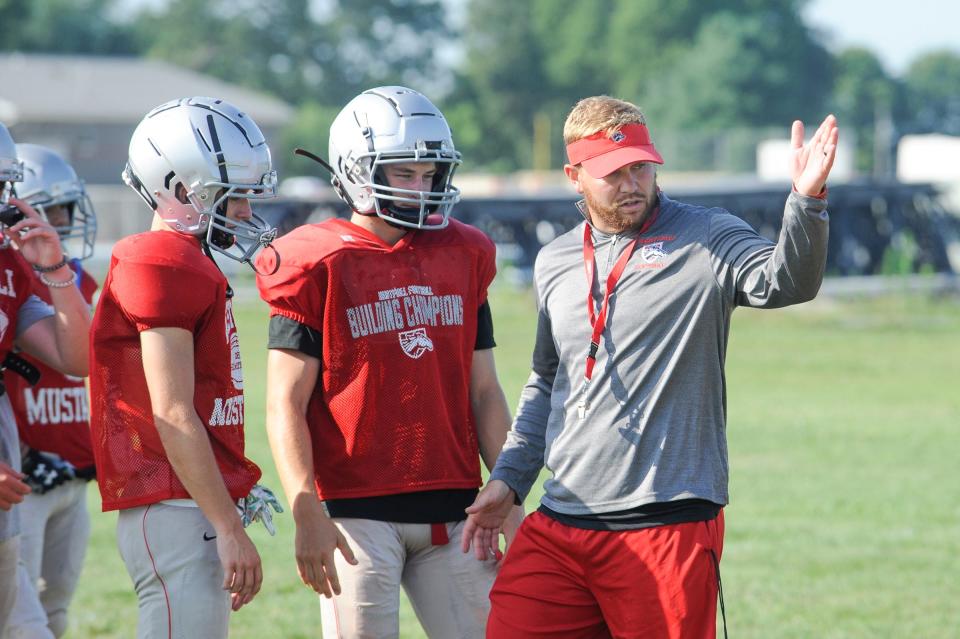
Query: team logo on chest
x,y
408,311
415,343
650,253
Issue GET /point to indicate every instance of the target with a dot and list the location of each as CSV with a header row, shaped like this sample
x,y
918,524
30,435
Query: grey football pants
x,y
449,590
172,559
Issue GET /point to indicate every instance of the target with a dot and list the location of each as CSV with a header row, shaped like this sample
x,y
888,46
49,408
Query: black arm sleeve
x,y
291,334
484,328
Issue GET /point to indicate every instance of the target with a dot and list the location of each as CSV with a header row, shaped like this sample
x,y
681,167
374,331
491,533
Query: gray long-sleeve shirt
x,y
654,430
31,312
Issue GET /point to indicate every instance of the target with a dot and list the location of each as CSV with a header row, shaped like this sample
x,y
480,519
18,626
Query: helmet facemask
x,y
78,236
11,170
411,208
239,239
6,190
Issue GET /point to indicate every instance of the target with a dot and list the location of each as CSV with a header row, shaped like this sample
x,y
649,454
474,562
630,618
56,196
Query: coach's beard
x,y
614,217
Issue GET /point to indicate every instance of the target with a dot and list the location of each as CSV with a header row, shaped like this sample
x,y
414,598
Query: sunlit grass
x,y
845,495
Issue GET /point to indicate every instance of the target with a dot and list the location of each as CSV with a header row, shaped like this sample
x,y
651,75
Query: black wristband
x,y
50,269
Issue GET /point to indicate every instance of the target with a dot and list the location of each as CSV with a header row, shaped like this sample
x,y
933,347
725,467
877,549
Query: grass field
x,y
844,519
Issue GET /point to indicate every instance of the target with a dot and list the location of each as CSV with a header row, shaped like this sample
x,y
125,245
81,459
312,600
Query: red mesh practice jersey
x,y
162,279
53,415
17,283
391,412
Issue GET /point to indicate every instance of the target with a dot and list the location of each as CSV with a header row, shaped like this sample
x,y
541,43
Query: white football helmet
x,y
393,125
210,151
11,168
49,180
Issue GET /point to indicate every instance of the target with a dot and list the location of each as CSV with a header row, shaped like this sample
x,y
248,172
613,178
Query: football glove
x,y
44,471
256,507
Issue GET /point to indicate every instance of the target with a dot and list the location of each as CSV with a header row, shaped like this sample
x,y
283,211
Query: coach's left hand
x,y
486,517
811,162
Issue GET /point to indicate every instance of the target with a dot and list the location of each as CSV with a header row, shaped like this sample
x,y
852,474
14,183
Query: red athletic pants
x,y
568,583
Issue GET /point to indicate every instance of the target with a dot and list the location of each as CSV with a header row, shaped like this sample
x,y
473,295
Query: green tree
x,y
701,66
714,65
380,42
932,85
500,85
526,62
316,61
260,44
286,49
64,26
309,130
863,96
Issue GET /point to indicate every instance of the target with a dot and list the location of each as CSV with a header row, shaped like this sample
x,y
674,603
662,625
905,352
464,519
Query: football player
x,y
382,392
52,418
45,331
166,379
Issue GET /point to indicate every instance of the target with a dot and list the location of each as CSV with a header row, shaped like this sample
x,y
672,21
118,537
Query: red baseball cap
x,y
602,154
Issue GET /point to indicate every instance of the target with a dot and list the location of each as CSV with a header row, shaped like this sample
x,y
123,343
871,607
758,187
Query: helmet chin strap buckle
x,y
267,237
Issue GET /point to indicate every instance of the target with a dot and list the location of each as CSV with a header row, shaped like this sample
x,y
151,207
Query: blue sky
x,y
896,31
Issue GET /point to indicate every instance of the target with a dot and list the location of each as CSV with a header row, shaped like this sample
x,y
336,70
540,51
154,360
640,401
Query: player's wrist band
x,y
55,284
50,269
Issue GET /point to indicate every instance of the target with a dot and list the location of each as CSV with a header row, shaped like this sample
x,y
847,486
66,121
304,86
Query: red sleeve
x,y
486,266
161,295
299,287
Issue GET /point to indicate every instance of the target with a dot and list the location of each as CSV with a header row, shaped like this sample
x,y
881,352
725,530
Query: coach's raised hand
x,y
811,162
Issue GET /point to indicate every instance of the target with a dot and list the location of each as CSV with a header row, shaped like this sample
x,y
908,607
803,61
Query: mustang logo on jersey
x,y
56,405
415,343
7,287
227,412
402,308
236,366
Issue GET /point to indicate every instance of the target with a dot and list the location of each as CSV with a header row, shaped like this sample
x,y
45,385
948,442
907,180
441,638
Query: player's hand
x,y
317,540
12,488
33,236
242,572
811,162
485,519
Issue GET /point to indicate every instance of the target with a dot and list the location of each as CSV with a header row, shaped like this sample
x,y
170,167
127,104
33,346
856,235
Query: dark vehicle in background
x,y
875,228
